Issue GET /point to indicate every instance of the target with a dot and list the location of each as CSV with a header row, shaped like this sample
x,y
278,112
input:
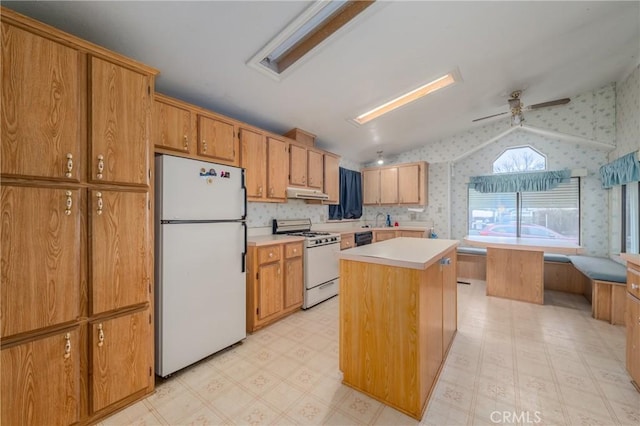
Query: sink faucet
x,y
379,214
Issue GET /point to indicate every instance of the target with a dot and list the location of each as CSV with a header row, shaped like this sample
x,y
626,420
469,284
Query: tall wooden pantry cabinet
x,y
76,225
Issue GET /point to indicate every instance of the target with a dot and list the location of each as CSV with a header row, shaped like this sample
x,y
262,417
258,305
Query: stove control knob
x,y
325,240
316,242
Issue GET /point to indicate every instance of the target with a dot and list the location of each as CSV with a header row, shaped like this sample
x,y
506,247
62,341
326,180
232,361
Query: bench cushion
x,y
473,250
553,257
600,268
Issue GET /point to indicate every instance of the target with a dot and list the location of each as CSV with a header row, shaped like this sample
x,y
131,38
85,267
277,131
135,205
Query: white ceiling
x,y
550,49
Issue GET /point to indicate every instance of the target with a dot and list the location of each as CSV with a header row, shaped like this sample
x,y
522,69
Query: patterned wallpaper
x,y
627,140
591,115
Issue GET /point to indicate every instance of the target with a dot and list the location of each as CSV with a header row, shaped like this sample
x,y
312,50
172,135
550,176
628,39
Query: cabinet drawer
x,y
347,242
269,254
633,281
293,250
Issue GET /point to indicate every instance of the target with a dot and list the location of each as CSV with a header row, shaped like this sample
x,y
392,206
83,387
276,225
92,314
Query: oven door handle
x,y
326,284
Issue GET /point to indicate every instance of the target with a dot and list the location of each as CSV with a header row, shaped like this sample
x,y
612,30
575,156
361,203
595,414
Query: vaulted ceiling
x,y
550,50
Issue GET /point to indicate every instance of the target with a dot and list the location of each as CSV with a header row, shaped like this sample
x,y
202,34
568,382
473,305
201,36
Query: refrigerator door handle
x,y
244,189
244,253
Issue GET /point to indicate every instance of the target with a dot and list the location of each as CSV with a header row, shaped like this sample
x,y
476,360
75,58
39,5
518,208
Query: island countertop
x,y
403,252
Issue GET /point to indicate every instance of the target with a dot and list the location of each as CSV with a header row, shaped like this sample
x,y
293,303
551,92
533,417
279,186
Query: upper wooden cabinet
x,y
297,165
174,125
399,184
332,178
277,169
315,169
217,140
120,121
42,89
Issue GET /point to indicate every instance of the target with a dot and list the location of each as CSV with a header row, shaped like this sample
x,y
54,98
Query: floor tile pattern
x,y
510,363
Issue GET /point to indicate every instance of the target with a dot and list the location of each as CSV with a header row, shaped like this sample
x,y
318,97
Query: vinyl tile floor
x,y
510,363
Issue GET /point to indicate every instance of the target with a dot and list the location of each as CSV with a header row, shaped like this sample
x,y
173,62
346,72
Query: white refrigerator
x,y
201,245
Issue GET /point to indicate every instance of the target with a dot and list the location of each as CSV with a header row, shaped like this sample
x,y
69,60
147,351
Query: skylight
x,y
312,27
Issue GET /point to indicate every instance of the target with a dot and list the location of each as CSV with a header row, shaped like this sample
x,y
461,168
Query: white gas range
x,y
321,265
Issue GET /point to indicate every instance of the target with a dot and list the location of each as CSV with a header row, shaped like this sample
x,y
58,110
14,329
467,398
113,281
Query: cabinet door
x,y
41,107
120,243
411,234
449,299
40,257
120,358
371,186
332,179
172,127
120,120
409,184
384,235
254,160
633,338
269,290
277,171
41,381
315,169
293,282
217,141
389,186
297,165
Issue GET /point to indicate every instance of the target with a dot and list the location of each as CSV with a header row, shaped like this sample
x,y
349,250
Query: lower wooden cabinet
x,y
41,380
383,235
633,338
275,281
120,359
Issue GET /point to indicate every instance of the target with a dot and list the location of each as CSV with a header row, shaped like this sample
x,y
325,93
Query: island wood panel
x,y
40,386
41,252
449,301
391,333
41,107
120,120
515,274
120,249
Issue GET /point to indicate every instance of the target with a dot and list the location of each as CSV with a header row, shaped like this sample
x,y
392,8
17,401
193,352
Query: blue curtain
x,y
520,182
350,206
621,171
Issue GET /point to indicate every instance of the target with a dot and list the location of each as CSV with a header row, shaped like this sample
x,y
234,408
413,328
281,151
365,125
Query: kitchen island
x,y
398,317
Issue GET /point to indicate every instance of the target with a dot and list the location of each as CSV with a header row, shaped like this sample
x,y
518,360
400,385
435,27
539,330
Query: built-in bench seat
x,y
607,282
472,263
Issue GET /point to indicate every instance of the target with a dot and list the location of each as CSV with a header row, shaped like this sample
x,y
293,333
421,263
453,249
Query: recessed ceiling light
x,y
408,97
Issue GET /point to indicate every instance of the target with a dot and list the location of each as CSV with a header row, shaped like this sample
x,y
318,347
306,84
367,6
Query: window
x,y
630,218
519,159
553,214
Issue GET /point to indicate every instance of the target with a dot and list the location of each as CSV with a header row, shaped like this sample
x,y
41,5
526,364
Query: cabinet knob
x,y
67,345
100,166
204,145
295,250
100,336
270,254
260,191
69,165
100,203
186,143
69,203
634,286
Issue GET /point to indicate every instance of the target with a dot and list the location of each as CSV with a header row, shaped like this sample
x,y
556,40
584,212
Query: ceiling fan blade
x,y
489,116
550,103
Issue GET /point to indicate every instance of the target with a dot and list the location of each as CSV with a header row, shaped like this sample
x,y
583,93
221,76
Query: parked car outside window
x,y
528,231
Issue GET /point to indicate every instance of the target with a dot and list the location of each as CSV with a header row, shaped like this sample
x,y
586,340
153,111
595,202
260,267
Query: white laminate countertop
x,y
631,257
265,240
404,252
528,244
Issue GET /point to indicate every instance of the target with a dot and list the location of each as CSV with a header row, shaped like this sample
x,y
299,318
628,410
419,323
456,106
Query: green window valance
x,y
621,171
519,182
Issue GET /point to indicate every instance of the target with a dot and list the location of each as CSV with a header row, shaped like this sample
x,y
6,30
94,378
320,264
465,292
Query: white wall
x,y
627,140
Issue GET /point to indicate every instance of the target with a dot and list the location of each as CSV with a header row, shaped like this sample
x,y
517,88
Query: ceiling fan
x,y
516,108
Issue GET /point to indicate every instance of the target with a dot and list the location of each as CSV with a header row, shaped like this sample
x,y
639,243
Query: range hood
x,y
306,194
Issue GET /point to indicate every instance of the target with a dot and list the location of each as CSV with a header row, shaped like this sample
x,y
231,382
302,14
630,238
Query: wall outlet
x,y
412,216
